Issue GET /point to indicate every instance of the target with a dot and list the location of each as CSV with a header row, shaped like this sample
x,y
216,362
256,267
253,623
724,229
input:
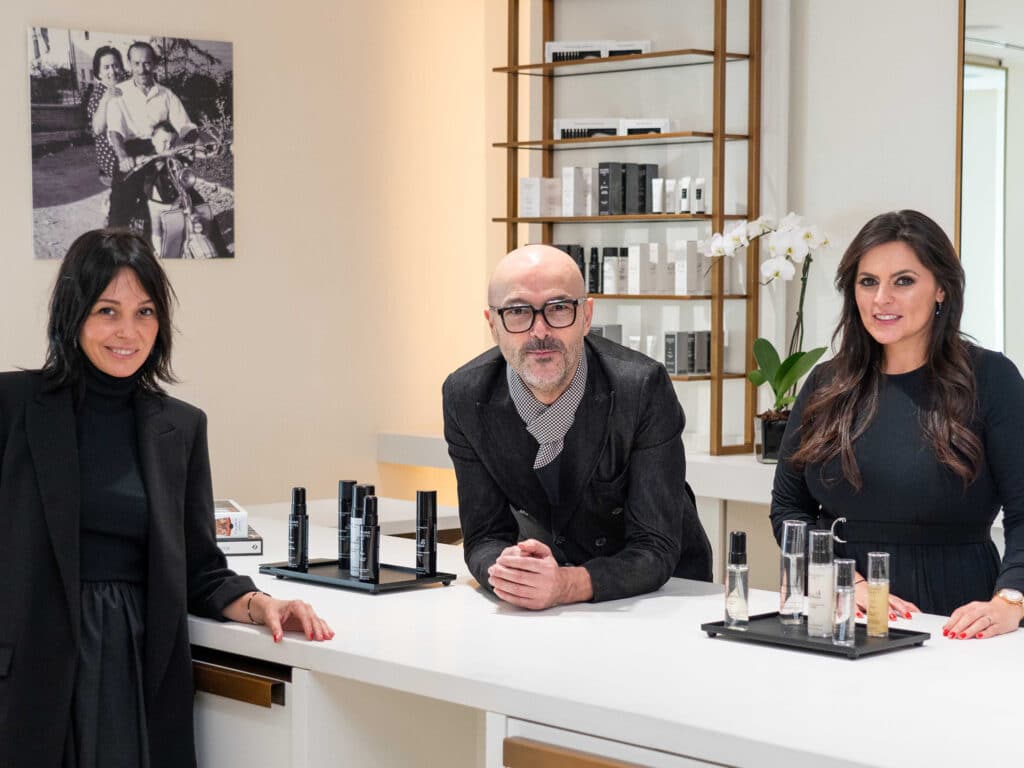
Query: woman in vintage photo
x,y
108,69
107,528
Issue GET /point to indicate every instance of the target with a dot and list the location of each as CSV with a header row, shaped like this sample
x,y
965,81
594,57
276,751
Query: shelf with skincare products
x,y
688,57
630,140
634,179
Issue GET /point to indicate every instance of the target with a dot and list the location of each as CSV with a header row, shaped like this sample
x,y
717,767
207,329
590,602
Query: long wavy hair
x,y
91,263
845,404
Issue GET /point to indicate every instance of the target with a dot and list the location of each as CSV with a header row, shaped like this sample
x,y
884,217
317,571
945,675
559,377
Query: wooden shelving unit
x,y
716,57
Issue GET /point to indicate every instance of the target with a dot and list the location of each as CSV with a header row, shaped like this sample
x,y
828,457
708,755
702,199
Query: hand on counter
x,y
528,575
982,619
898,607
279,616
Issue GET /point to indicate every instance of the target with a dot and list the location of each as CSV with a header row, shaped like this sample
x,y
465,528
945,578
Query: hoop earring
x,y
938,308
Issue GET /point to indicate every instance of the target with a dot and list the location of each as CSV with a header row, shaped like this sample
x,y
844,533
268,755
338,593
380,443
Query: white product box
x,y
640,125
642,274
574,191
591,192
540,196
585,127
625,47
687,268
587,49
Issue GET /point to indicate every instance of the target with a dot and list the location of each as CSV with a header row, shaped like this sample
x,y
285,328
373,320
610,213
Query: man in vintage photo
x,y
142,105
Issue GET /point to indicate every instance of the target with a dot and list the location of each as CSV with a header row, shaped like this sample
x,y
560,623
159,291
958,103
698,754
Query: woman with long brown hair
x,y
910,433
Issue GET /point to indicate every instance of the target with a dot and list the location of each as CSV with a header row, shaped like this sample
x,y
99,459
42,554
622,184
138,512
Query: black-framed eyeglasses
x,y
558,313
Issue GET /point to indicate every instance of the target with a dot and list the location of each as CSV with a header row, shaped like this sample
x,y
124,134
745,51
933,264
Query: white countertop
x,y
642,672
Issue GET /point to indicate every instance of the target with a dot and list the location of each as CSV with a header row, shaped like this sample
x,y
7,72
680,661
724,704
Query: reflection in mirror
x,y
992,174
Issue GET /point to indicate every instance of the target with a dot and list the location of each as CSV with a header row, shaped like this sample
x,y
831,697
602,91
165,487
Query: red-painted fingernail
x,y
860,615
892,616
963,635
907,615
945,633
979,635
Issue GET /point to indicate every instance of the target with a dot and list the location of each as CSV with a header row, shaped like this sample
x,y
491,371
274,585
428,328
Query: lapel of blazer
x,y
584,441
508,448
50,427
166,547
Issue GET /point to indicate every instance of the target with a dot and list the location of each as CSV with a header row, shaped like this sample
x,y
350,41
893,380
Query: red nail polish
x,y
892,616
907,615
945,633
963,635
860,615
979,635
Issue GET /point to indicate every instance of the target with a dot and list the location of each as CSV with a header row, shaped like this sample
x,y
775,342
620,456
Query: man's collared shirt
x,y
134,113
548,424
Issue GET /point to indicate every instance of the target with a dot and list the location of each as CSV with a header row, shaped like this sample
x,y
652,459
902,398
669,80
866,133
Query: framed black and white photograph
x,y
132,131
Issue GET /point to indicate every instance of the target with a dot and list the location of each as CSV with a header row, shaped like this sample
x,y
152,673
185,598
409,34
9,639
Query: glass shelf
x,y
663,296
687,57
703,376
636,140
651,217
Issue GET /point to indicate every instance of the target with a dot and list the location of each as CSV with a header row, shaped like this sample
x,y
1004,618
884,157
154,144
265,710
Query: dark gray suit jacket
x,y
40,599
627,514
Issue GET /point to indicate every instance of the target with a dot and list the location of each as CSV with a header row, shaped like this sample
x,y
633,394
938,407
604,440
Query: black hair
x,y
141,44
92,261
105,50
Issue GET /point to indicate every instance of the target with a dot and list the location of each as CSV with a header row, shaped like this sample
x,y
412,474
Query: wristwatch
x,y
1012,596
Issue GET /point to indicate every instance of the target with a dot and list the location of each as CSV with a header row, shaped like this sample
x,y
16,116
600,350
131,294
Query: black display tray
x,y
766,629
323,571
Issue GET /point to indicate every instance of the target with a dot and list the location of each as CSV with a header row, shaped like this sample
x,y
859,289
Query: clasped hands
x,y
976,620
527,575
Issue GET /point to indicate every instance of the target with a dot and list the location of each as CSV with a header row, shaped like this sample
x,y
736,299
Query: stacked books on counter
x,y
234,534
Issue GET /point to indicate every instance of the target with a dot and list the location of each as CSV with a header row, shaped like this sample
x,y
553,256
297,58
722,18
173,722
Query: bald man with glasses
x,y
567,450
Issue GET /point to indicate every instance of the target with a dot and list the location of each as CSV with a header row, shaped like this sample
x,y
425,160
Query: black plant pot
x,y
770,439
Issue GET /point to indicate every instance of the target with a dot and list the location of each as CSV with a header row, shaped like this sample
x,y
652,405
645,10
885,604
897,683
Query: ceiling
x,y
1000,24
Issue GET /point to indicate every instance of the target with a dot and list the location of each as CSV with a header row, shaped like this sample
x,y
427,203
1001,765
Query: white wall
x,y
362,225
872,124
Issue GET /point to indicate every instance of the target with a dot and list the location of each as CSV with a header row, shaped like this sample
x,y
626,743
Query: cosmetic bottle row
x,y
611,189
359,531
828,583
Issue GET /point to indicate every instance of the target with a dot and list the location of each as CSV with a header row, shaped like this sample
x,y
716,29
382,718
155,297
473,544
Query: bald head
x,y
534,268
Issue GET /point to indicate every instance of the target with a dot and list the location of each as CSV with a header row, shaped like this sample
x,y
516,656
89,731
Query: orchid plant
x,y
789,244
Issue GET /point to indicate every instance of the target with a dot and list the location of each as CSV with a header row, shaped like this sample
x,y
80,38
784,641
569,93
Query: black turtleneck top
x,y
114,512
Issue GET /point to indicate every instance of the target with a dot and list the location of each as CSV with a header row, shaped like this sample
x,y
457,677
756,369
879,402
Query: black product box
x,y
678,352
648,173
576,253
702,352
595,273
634,185
610,189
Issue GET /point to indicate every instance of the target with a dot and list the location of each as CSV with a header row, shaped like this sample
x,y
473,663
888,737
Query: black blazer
x,y
40,599
627,514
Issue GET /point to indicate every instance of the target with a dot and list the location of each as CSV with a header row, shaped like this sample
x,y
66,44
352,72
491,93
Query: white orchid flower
x,y
717,246
813,237
790,222
736,238
773,269
760,226
788,244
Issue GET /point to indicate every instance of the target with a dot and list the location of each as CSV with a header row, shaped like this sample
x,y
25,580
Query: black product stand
x,y
766,629
392,577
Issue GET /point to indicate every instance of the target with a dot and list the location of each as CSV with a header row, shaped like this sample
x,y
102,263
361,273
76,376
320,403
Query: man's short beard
x,y
570,357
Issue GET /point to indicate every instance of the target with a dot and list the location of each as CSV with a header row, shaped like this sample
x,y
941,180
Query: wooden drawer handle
x,y
240,686
526,753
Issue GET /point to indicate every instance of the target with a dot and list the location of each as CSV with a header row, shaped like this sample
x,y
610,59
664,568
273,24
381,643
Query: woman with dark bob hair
x,y
108,69
911,433
106,529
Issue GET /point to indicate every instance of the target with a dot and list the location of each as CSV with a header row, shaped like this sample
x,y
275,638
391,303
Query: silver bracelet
x,y
248,605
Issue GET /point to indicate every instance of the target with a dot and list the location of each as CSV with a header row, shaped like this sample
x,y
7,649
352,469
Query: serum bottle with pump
x,y
426,533
369,550
298,532
344,522
359,493
737,581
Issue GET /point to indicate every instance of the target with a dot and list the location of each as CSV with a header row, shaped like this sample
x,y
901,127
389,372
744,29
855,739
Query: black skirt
x,y
108,720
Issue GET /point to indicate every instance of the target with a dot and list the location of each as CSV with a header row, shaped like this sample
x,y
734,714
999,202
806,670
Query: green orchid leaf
x,y
796,368
767,358
756,378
